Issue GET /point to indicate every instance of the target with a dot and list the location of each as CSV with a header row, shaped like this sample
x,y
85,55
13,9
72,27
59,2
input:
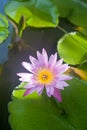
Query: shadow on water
x,y
33,40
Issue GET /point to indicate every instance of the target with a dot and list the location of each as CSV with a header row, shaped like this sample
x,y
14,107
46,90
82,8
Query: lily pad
x,y
3,28
73,10
72,48
37,13
43,113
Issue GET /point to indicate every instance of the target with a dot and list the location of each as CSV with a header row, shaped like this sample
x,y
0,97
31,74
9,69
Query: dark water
x,y
33,40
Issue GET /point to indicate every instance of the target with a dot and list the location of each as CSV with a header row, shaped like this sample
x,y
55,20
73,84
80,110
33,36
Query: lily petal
x,y
57,95
27,66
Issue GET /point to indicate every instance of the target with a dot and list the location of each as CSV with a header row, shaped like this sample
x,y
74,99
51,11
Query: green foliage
x,y
75,103
83,66
37,13
45,13
64,7
78,15
73,10
72,48
3,28
40,112
35,112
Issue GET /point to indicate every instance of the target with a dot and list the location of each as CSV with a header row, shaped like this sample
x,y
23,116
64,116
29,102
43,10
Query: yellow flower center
x,y
44,76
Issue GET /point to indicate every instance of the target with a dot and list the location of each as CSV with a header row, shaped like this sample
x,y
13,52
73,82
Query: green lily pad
x,y
72,48
73,10
75,103
45,13
37,13
78,15
3,28
43,113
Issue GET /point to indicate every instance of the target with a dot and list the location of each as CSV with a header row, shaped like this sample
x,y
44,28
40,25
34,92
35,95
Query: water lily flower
x,y
45,73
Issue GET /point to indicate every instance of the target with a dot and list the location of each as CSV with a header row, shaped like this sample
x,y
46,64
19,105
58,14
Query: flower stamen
x,y
44,76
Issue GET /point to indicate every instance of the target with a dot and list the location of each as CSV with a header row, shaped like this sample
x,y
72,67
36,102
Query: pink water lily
x,y
45,73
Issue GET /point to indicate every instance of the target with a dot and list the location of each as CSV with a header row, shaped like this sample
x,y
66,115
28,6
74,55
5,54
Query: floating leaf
x,y
35,112
75,103
45,13
40,112
3,28
64,7
83,66
78,15
37,13
72,48
73,10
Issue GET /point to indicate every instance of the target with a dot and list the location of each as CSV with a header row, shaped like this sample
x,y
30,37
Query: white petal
x,y
52,60
48,91
33,90
59,62
29,85
61,85
25,77
65,77
40,58
27,66
34,61
63,68
40,89
45,56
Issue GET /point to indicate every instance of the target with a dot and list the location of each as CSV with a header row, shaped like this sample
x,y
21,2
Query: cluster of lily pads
x,y
41,112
